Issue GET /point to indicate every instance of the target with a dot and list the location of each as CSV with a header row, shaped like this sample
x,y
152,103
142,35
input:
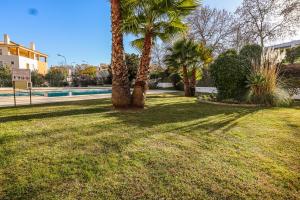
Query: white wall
x,y
215,91
165,85
23,61
207,90
19,61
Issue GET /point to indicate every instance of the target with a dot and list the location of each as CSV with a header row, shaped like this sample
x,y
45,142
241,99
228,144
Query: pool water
x,y
62,93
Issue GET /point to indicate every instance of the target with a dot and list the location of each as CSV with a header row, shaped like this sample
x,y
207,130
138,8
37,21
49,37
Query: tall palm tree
x,y
188,56
150,20
120,83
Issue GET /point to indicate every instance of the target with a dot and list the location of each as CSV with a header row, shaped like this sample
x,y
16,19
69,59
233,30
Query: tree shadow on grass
x,y
158,118
157,114
72,112
82,107
164,117
171,113
61,104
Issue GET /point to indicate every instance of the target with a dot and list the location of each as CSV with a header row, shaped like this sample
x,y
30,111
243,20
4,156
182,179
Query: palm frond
x,y
162,17
138,43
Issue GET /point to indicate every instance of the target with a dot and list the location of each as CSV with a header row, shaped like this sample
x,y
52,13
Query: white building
x,y
287,45
103,71
18,56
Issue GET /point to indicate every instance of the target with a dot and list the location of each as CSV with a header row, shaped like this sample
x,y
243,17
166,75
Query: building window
x,y
0,52
27,66
1,63
12,62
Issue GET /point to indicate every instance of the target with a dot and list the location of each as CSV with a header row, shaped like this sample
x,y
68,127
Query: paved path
x,y
9,101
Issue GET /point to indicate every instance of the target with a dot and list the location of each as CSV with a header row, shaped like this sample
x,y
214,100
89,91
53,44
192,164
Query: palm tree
x,y
150,20
120,83
203,58
188,56
181,56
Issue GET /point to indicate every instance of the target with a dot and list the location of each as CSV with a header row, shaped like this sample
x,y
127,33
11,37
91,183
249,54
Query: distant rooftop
x,y
285,45
9,43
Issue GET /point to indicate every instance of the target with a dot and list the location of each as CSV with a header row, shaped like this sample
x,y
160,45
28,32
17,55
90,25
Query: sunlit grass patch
x,y
176,148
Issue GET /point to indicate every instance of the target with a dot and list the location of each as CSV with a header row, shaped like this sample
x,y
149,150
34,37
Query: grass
x,y
175,149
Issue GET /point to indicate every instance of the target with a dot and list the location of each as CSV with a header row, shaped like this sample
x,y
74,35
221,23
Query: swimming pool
x,y
61,93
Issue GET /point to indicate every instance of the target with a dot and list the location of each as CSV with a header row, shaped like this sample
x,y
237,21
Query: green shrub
x,y
180,86
154,75
37,79
292,54
161,75
229,72
281,98
132,63
207,97
56,76
251,52
206,80
5,76
175,79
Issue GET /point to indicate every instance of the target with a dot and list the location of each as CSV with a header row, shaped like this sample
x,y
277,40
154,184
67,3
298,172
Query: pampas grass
x,y
264,82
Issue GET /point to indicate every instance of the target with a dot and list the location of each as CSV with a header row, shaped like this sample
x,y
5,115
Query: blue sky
x,y
78,29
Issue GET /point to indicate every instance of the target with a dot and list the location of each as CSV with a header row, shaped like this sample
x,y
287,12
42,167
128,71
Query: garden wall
x,y
214,91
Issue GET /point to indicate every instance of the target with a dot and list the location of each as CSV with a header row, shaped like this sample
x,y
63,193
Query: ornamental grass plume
x,y
264,82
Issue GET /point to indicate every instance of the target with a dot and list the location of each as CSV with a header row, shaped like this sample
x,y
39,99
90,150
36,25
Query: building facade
x,y
287,45
18,56
103,71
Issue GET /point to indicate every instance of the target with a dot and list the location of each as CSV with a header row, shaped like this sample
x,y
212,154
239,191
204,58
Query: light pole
x,y
84,61
63,57
69,77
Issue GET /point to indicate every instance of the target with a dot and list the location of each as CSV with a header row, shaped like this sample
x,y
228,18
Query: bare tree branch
x,y
270,19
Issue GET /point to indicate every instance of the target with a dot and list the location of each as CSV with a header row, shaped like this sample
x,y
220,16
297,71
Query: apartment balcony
x,y
27,53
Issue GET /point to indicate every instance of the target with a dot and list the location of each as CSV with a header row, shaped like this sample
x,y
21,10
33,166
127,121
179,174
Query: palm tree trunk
x,y
187,91
193,82
120,82
140,86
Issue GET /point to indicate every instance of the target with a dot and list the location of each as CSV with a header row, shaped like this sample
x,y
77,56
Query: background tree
x,y
203,60
176,79
132,63
240,36
85,75
292,54
57,76
158,53
120,82
37,79
252,53
188,56
5,76
212,27
180,56
150,20
270,19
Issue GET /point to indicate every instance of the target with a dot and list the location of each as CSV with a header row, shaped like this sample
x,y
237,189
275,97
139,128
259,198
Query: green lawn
x,y
175,149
